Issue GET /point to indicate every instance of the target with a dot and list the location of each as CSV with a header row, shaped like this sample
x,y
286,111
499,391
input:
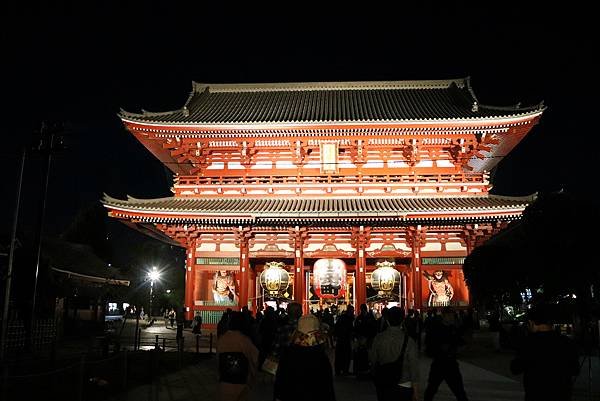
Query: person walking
x,y
365,328
394,351
284,334
442,344
304,371
237,361
548,360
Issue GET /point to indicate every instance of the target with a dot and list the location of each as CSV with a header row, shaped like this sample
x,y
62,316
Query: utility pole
x,y
47,144
11,258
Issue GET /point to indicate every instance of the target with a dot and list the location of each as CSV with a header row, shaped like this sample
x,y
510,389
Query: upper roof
x,y
267,210
321,102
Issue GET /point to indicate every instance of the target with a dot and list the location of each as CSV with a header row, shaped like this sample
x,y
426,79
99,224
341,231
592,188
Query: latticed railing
x,y
330,184
446,303
211,316
43,333
458,178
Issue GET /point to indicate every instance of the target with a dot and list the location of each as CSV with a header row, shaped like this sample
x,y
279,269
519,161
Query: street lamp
x,y
154,275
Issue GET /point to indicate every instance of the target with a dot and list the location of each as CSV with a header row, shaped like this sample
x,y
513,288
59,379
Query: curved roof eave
x,y
134,208
513,118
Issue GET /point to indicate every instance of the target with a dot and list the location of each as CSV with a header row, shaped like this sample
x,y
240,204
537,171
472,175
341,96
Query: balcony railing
x,y
329,179
329,184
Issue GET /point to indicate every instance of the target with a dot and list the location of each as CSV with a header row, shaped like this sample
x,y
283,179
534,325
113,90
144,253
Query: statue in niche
x,y
224,287
440,289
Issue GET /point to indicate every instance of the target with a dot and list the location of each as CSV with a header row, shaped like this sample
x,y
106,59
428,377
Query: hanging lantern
x,y
274,279
385,278
329,278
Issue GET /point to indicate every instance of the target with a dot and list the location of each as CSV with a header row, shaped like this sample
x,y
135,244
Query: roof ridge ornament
x,y
470,89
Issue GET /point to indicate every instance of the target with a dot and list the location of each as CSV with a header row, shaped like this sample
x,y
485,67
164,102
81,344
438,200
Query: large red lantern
x,y
329,278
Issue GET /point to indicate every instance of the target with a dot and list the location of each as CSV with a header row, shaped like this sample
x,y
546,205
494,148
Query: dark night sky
x,y
80,66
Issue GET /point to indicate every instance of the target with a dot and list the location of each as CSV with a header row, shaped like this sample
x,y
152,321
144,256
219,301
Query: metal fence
x,y
106,368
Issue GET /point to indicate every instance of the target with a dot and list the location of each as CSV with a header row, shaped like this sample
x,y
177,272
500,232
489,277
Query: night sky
x,y
79,66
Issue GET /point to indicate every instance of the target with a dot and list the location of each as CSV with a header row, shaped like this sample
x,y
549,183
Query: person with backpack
x,y
395,362
237,361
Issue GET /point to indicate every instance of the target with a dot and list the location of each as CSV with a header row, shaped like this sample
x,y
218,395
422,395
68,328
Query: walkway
x,y
485,372
198,383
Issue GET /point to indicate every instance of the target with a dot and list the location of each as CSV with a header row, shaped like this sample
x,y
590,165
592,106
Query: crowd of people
x,y
384,347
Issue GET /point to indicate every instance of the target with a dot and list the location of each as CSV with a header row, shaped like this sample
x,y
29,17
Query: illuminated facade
x,y
298,173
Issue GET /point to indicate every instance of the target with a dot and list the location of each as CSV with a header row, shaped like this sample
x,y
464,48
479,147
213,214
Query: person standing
x,y
304,371
548,360
237,361
411,324
180,318
284,332
344,332
442,342
267,332
382,322
197,323
171,316
387,348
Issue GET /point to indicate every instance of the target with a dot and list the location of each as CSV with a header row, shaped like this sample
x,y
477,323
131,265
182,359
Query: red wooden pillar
x,y
469,237
410,293
189,281
244,266
416,244
252,291
299,287
416,262
360,274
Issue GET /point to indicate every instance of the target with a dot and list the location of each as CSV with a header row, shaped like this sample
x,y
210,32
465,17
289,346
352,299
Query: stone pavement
x,y
198,382
485,372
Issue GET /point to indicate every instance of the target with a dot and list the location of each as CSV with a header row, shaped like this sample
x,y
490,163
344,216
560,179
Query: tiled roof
x,y
80,261
330,102
268,209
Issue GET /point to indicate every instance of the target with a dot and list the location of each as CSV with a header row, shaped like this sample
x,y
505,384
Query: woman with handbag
x,y
395,362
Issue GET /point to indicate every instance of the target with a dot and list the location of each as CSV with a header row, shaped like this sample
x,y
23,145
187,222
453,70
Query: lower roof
x,y
263,211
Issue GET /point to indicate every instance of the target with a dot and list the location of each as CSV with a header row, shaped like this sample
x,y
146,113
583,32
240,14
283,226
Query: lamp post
x,y
154,275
